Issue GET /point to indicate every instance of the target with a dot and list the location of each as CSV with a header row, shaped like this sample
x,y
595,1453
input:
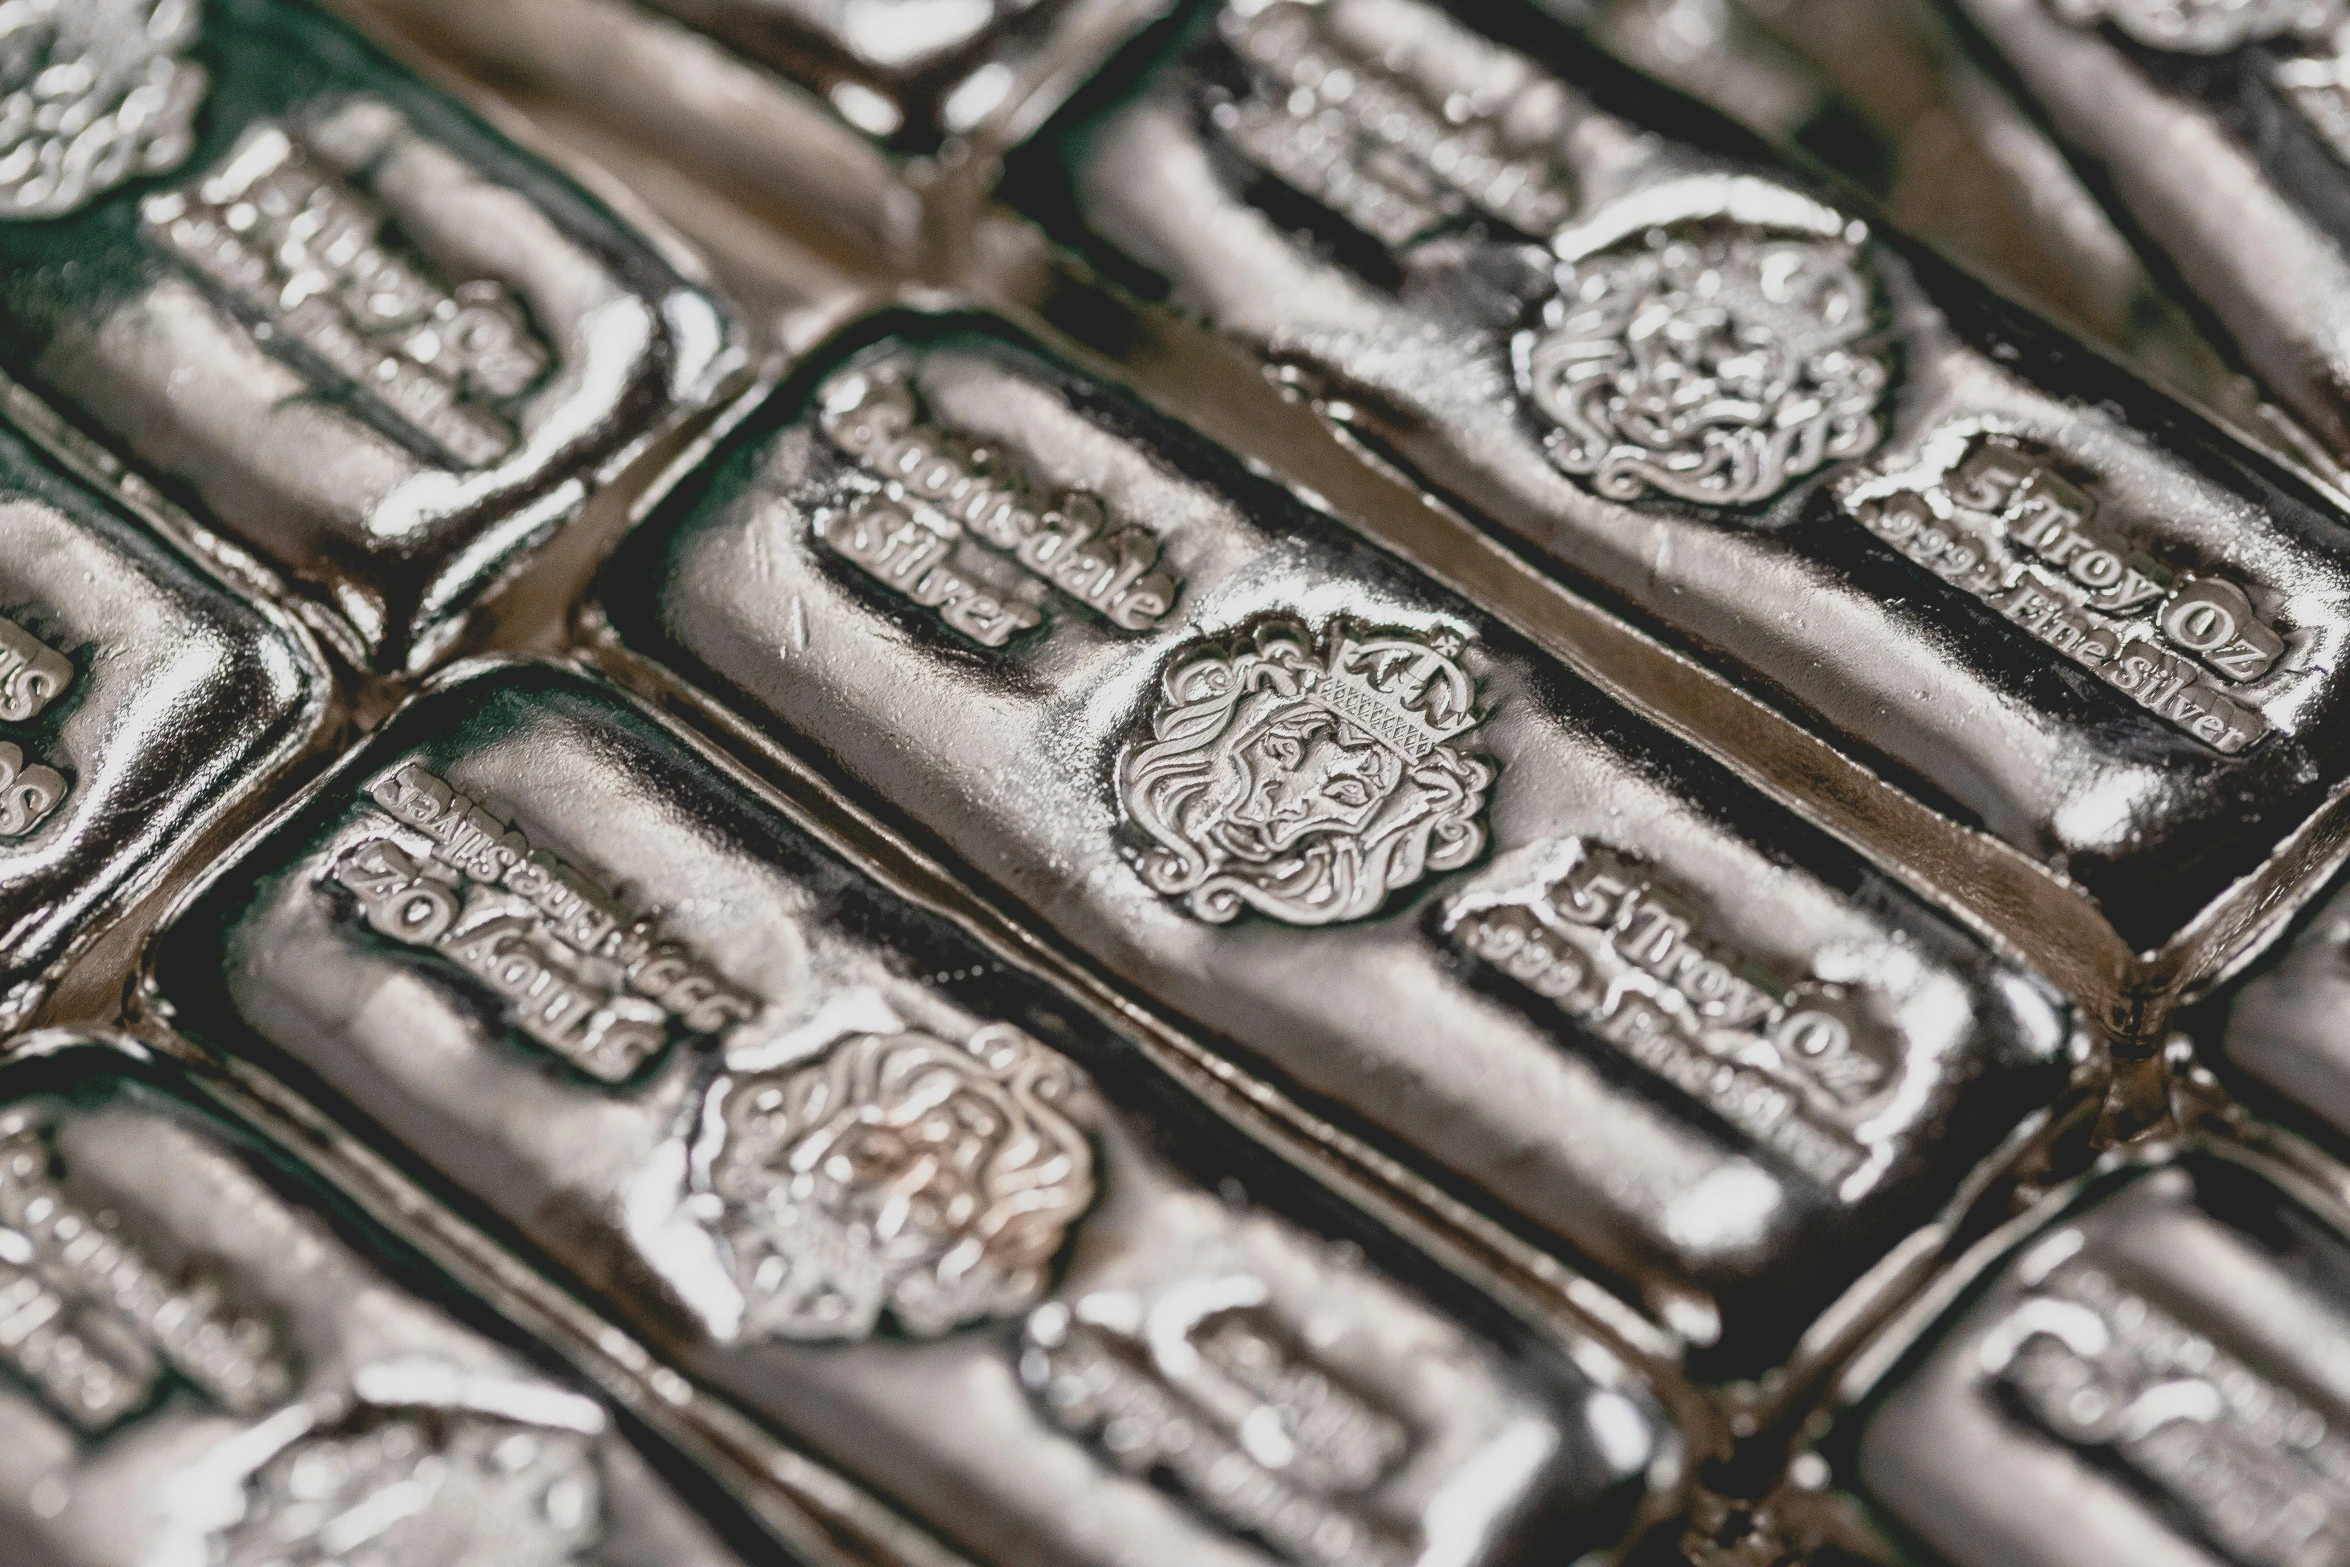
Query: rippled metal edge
x,y
344,1170
309,738
2020,906
695,94
712,396
2210,1127
1507,1265
826,1519
1609,1345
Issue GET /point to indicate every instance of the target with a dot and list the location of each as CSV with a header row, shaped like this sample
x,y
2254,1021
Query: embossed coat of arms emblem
x,y
2207,26
93,93
899,1174
1307,779
1709,341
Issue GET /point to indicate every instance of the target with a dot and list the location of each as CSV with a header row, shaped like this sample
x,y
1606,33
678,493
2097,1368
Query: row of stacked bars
x,y
1379,805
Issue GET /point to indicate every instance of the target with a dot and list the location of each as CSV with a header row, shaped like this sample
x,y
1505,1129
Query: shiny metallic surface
x,y
383,355
144,708
856,1160
208,1362
2284,1027
1335,817
884,119
1269,783
2223,132
1721,404
2143,1374
1887,94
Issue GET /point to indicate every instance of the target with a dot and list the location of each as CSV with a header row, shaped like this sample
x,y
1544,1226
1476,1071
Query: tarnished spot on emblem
x,y
1710,342
898,1173
93,94
1307,779
2206,26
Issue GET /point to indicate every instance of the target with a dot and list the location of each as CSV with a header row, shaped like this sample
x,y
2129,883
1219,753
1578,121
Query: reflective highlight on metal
x,y
144,708
384,354
896,1200
1887,93
1340,820
1729,410
2285,1027
199,1364
2141,1374
885,118
2223,131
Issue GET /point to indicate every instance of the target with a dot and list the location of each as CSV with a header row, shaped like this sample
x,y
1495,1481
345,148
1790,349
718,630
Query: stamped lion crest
x,y
898,1173
1307,780
93,93
2207,26
1709,360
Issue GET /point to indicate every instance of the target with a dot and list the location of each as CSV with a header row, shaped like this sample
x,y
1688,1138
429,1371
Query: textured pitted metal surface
x,y
370,342
1383,805
861,1170
1341,908
2143,1374
2223,133
1691,388
207,1362
882,120
142,705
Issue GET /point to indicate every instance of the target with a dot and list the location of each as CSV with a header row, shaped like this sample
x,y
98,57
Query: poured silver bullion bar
x,y
144,708
844,1167
1885,93
1980,563
1336,817
2150,1375
2222,129
382,354
2287,1029
199,1365
887,118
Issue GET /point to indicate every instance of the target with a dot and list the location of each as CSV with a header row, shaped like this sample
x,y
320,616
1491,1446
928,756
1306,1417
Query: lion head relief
x,y
1694,352
1306,780
899,1174
93,93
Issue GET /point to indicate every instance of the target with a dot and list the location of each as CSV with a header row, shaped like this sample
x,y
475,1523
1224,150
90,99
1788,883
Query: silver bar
x,y
386,354
200,1362
1746,419
2223,132
860,1177
145,710
884,119
1348,827
2141,1374
2283,1029
1887,94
